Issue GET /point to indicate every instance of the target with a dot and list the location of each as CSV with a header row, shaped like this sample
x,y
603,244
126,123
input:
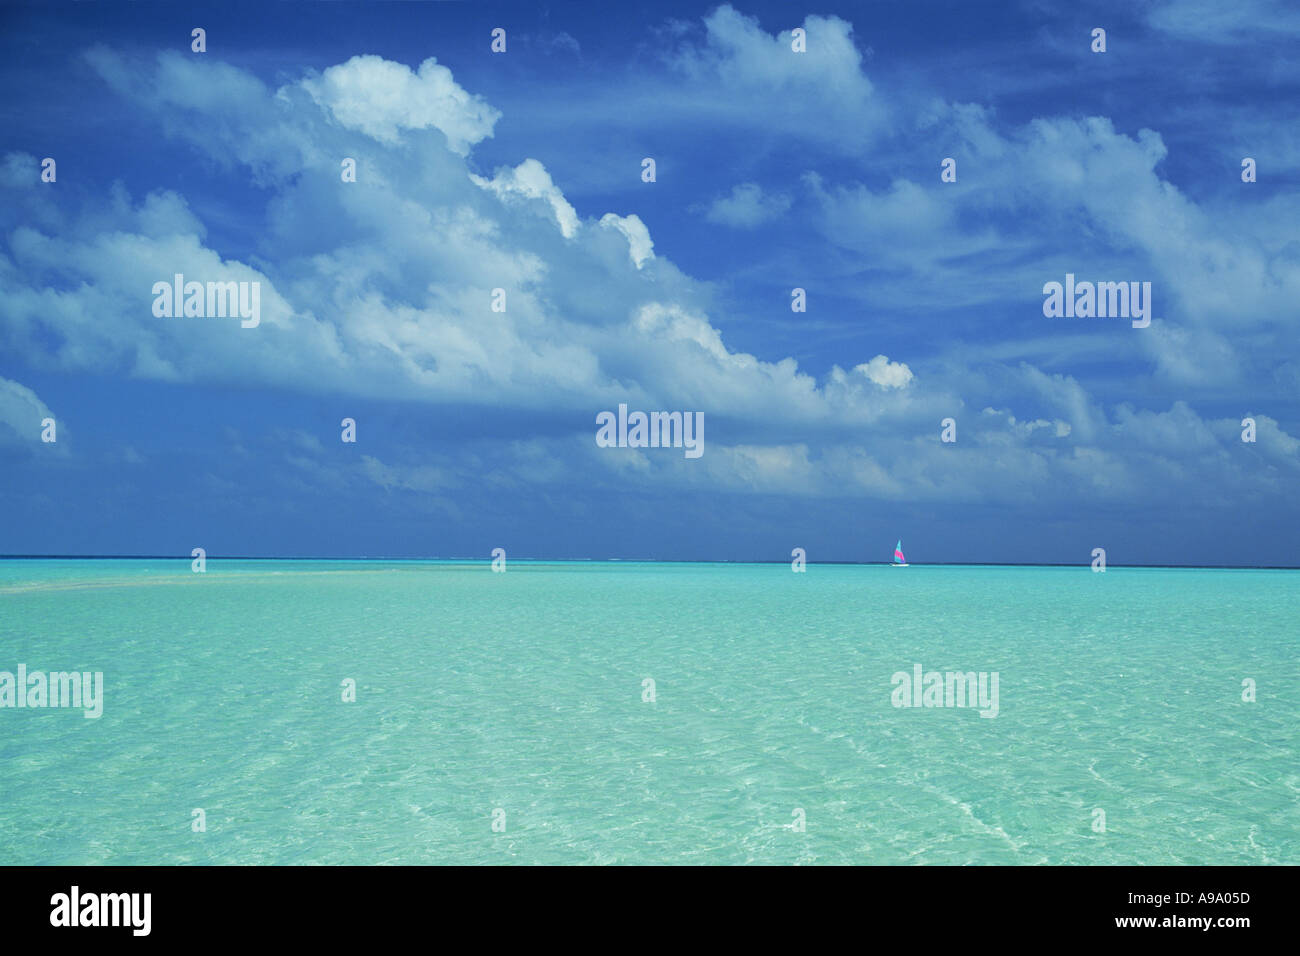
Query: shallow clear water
x,y
523,691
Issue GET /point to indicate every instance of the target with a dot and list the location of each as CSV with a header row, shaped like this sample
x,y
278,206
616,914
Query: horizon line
x,y
615,560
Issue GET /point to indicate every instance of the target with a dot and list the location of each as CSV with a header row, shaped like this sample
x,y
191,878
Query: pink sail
x,y
898,553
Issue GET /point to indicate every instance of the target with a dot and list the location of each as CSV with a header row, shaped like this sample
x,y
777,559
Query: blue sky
x,y
775,170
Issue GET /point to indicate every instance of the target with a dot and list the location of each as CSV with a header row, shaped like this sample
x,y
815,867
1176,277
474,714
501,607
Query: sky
x,y
774,170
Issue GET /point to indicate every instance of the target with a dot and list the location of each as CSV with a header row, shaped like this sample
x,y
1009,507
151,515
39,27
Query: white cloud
x,y
1216,268
421,478
640,247
824,91
382,287
381,98
885,373
746,207
531,180
742,55
21,411
1214,22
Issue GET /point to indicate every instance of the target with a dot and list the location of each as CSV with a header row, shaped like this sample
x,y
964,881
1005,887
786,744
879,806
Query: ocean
x,y
622,713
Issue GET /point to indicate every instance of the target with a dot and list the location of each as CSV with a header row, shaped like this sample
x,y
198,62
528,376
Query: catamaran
x,y
899,560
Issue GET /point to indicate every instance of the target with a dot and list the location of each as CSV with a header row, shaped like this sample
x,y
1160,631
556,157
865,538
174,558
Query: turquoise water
x,y
523,692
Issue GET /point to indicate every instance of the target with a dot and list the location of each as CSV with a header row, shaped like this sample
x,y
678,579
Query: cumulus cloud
x,y
1212,267
21,411
531,180
885,373
640,247
824,90
381,98
746,207
383,287
740,53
